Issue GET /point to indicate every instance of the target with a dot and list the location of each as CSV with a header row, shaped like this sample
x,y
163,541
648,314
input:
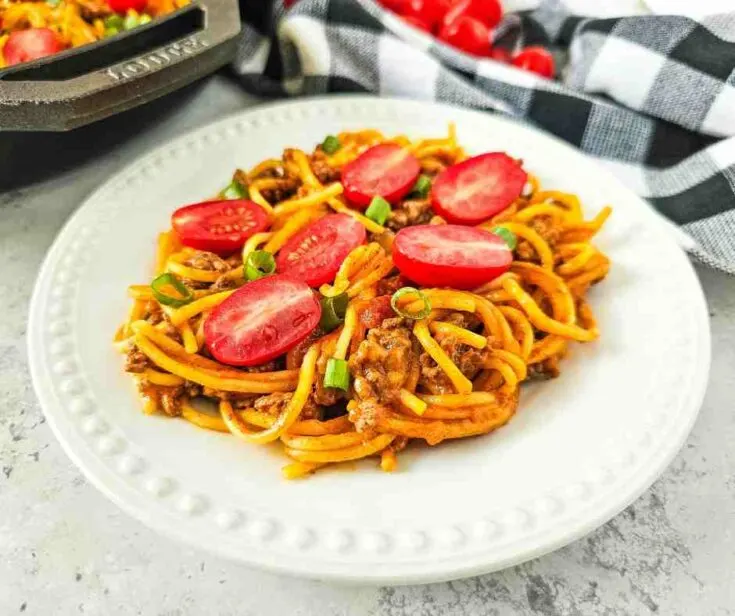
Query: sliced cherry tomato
x,y
450,255
472,191
315,253
419,23
386,170
30,44
218,226
489,12
468,34
261,320
536,60
123,6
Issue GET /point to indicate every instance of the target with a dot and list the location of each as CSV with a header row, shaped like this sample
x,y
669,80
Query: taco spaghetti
x,y
374,292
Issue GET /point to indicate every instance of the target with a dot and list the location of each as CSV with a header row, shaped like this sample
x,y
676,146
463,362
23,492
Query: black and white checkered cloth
x,y
652,97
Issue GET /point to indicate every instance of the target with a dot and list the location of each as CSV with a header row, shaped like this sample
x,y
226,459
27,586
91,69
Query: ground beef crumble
x,y
410,212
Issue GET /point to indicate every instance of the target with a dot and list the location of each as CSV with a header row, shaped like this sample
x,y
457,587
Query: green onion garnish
x,y
53,3
131,21
337,374
111,31
113,22
145,18
422,186
420,314
260,263
507,235
235,190
164,284
331,144
378,210
333,312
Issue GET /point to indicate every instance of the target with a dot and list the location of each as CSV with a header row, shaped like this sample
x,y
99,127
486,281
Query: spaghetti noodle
x,y
426,364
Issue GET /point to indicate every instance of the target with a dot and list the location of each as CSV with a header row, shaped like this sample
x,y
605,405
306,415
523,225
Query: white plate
x,y
579,450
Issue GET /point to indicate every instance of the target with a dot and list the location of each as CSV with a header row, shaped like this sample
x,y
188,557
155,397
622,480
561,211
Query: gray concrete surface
x,y
65,549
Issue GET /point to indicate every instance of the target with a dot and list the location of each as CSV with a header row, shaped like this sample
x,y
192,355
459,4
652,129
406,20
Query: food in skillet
x,y
374,292
32,30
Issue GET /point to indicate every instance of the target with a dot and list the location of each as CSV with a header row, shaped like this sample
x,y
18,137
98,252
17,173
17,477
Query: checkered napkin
x,y
652,97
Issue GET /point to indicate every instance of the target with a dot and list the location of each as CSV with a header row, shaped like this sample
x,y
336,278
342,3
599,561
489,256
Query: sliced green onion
x,y
235,190
145,18
53,3
111,31
331,144
337,374
421,314
333,312
163,295
422,186
260,263
507,235
378,210
113,22
131,21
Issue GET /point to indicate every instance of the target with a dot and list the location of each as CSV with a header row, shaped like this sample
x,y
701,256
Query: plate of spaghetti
x,y
369,340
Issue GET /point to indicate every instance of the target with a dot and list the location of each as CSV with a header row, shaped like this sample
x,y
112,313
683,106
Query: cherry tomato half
x,y
472,191
468,34
30,44
536,60
123,6
315,253
261,320
450,255
386,170
218,226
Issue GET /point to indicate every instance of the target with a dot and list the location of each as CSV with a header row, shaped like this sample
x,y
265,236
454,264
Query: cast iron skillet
x,y
83,85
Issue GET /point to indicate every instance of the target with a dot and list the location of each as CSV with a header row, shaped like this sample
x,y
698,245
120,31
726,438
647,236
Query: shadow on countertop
x,y
28,157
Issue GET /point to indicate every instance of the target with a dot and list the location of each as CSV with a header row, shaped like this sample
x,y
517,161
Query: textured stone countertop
x,y
66,549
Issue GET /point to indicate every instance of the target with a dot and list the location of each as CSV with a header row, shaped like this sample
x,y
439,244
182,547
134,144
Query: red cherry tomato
x,y
489,12
450,255
419,23
123,6
315,253
435,10
261,320
397,6
499,54
218,226
30,44
412,8
386,170
536,60
468,34
472,191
